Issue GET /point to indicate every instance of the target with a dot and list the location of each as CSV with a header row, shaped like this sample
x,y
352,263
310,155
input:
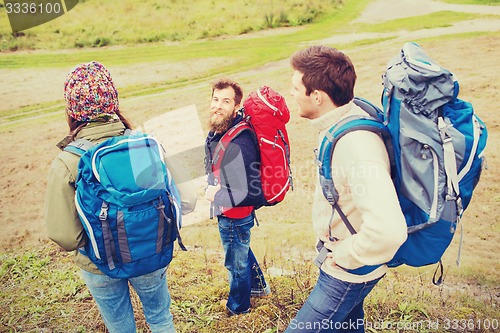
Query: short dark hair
x,y
327,69
224,83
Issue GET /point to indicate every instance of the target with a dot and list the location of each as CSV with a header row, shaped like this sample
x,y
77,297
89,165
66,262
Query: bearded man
x,y
234,190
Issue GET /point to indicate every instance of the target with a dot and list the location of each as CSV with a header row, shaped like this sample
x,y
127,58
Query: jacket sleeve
x,y
62,221
240,174
185,186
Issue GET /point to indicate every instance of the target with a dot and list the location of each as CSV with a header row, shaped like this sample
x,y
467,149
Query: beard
x,y
220,125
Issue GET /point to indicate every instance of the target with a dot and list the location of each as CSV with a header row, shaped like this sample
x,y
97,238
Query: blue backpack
x,y
435,144
128,204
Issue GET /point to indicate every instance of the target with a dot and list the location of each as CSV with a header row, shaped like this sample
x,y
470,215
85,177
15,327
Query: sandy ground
x,y
23,173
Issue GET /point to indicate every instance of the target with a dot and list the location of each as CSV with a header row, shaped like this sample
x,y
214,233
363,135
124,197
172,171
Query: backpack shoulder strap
x,y
335,133
79,146
225,140
325,153
368,107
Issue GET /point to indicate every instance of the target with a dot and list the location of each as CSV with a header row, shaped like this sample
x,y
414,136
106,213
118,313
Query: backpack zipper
x,y
89,229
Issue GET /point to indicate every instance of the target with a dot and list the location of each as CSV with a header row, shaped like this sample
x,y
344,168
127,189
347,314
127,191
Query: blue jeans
x,y
333,306
245,276
113,300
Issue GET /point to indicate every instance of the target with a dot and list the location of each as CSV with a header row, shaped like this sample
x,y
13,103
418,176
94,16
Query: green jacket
x,y
62,221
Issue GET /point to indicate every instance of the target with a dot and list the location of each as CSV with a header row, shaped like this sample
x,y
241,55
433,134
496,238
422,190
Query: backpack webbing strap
x,y
108,241
179,238
440,279
162,217
287,155
450,165
452,176
107,236
122,238
476,134
344,218
166,218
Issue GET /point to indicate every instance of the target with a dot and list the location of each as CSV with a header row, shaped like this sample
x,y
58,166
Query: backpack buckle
x,y
160,205
103,215
329,190
316,159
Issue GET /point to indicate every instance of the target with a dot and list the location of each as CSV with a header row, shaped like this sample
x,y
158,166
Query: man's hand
x,y
211,191
330,260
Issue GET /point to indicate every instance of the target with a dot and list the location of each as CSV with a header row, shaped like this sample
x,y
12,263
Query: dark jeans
x,y
332,306
245,276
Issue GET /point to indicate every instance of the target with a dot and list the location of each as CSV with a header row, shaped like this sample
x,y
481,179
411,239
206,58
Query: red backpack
x,y
266,114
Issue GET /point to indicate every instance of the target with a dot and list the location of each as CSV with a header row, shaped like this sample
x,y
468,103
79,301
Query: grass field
x,y
40,290
95,23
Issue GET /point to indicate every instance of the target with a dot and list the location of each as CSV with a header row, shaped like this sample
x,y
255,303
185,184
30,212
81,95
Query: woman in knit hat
x,y
91,96
93,113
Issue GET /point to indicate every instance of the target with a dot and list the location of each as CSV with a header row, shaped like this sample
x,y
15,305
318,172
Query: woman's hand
x,y
210,192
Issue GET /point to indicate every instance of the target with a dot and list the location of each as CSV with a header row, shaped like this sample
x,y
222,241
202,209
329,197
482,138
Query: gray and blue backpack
x,y
435,144
128,204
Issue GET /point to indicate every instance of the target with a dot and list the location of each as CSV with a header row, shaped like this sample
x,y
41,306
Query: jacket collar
x,y
95,131
334,116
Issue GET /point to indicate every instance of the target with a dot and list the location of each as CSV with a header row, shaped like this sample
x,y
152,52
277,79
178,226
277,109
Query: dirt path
x,y
386,10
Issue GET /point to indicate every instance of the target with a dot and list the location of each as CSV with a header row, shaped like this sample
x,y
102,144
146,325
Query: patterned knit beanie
x,y
90,93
